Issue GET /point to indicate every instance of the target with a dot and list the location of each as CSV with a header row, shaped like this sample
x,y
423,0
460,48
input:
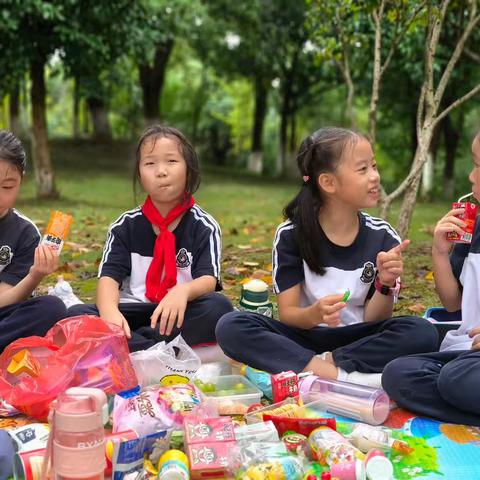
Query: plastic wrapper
x,y
330,447
57,230
141,413
166,364
81,351
265,461
257,432
154,408
128,456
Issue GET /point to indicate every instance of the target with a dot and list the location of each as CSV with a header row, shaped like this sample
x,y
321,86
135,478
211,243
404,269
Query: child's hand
x,y
475,334
45,262
117,318
171,309
327,310
390,264
448,223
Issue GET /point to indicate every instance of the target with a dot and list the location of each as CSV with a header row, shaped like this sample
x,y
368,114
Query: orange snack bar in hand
x,y
57,230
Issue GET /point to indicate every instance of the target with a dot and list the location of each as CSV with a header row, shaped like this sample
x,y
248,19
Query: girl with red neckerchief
x,y
160,268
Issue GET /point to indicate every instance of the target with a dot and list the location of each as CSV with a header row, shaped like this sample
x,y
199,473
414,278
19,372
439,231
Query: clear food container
x,y
232,394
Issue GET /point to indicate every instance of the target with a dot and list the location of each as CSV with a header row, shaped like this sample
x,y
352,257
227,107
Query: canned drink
x,y
469,216
28,465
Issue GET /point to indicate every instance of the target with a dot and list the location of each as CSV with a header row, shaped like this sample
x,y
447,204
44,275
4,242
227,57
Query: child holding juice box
x,y
23,261
445,384
161,262
336,272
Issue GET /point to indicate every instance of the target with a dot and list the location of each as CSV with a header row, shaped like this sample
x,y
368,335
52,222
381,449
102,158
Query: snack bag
x,y
57,230
141,413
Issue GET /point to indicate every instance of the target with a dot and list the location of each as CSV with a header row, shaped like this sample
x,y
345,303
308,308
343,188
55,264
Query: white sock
x,y
323,356
373,380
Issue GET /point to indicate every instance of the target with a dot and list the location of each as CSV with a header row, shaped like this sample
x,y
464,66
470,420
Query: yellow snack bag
x,y
57,230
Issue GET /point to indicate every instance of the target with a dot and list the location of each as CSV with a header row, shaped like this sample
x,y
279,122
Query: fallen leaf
x,y
260,273
417,308
429,276
269,267
232,271
268,280
244,247
251,264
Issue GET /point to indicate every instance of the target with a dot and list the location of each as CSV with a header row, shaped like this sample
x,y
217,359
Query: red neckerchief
x,y
164,262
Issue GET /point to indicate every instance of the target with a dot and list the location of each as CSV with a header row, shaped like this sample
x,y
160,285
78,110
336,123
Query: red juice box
x,y
284,385
209,459
469,216
202,430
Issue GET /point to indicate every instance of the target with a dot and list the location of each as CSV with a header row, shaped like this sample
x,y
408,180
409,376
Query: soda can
x,y
469,216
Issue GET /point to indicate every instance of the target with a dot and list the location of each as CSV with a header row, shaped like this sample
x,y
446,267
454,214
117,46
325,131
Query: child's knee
x,y
227,328
398,376
53,307
422,336
219,304
459,387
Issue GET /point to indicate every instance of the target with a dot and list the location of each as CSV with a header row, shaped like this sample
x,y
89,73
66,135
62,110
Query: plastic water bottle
x,y
254,298
78,437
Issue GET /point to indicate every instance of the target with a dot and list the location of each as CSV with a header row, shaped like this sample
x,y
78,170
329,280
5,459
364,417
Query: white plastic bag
x,y
165,364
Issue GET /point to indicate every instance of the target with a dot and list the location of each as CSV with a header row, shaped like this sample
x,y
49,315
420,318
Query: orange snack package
x,y
57,230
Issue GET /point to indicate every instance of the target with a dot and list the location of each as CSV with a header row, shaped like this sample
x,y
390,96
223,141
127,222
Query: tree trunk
x,y
201,97
152,78
452,138
44,176
350,111
99,115
282,157
255,161
76,109
429,166
14,111
410,197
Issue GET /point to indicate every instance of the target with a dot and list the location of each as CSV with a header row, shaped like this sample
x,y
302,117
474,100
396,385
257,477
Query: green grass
x,y
96,187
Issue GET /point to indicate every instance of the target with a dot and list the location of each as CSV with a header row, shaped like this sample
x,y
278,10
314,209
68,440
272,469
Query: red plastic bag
x,y
82,351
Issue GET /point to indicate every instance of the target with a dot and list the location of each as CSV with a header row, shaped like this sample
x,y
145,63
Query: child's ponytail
x,y
319,153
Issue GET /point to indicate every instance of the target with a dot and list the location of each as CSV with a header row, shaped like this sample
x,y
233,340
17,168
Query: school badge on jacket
x,y
5,256
183,259
368,273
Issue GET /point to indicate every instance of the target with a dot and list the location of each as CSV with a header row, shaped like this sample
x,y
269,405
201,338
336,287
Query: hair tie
x,y
305,178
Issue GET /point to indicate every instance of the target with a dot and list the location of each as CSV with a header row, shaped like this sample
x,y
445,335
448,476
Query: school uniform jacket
x,y
465,262
18,239
130,243
346,268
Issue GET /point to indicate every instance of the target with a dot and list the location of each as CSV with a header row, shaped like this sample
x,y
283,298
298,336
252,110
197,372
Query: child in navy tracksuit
x,y
161,262
328,247
445,384
23,262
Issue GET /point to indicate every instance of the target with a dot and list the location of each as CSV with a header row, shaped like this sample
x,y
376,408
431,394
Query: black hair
x,y
319,153
12,151
154,132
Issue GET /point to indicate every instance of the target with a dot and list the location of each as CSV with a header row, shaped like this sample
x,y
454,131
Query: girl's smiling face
x,y
10,180
474,176
356,176
163,171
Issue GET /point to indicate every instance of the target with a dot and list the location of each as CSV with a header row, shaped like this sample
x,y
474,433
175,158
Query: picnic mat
x,y
442,451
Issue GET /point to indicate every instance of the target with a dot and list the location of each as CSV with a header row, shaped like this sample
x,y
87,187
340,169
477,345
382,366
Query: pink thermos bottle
x,y
77,436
